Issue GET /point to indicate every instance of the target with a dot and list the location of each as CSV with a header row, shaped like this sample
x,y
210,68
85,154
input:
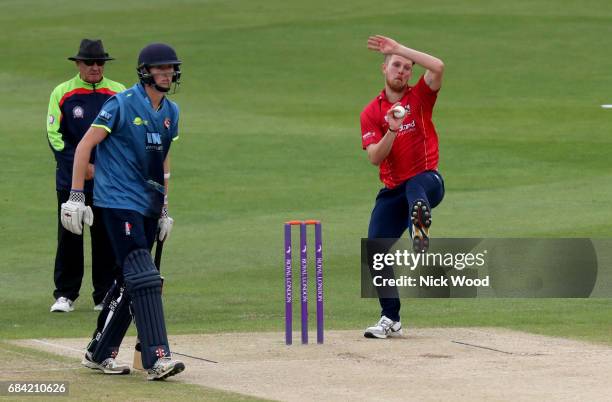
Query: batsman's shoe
x,y
421,221
384,328
108,366
165,367
62,305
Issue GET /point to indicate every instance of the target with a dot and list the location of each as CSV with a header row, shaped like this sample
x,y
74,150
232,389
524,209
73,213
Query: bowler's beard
x,y
395,87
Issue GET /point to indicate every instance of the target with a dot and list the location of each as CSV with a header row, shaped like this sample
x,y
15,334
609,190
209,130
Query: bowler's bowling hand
x,y
394,123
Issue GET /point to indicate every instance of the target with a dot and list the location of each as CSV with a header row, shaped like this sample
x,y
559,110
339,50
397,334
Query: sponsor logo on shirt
x,y
367,135
408,126
127,226
78,112
139,122
104,115
154,142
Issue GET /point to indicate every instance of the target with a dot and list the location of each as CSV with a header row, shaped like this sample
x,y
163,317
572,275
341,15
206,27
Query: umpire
x,y
72,108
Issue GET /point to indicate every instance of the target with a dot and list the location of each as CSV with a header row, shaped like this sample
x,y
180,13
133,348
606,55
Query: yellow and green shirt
x,y
73,106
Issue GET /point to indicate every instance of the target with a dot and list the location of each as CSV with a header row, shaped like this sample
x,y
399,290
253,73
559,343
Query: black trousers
x,y
69,266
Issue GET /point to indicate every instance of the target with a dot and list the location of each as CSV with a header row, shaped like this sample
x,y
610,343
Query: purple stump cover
x,y
288,285
319,280
304,281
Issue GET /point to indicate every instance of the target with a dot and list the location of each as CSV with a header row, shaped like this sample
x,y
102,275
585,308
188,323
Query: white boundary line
x,y
57,345
606,106
82,351
45,370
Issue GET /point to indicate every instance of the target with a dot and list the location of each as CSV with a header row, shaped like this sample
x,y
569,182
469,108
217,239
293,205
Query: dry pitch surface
x,y
425,364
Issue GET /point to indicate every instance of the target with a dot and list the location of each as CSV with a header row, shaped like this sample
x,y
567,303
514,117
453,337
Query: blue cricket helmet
x,y
157,54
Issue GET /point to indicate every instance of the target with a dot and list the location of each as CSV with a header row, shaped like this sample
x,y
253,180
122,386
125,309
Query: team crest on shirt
x,y
407,107
167,123
78,112
51,119
127,227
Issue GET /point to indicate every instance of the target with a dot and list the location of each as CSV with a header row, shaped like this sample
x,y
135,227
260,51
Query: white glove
x,y
164,225
74,213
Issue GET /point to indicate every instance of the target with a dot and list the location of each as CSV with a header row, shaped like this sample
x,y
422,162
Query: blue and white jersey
x,y
129,162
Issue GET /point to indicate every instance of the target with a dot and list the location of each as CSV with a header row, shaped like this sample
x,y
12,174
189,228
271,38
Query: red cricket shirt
x,y
415,149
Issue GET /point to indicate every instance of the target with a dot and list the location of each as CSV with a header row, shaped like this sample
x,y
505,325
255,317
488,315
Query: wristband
x,y
77,196
167,175
393,131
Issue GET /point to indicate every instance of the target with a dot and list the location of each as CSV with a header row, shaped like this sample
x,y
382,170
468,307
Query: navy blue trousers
x,y
127,231
390,217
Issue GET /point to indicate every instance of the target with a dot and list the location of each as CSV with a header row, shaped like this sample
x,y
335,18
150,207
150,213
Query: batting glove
x,y
74,213
164,224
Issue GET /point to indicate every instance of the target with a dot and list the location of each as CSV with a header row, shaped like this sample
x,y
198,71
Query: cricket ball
x,y
399,112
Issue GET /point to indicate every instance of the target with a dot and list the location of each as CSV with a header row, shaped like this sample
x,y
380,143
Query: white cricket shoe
x,y
62,304
99,307
384,328
108,366
163,368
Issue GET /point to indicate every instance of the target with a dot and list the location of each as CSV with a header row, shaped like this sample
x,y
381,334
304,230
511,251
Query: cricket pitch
x,y
460,364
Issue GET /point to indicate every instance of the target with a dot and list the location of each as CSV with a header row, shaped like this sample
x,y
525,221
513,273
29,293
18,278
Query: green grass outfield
x,y
86,385
270,104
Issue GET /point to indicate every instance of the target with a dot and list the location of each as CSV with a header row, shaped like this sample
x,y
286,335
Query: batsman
x,y
133,133
404,145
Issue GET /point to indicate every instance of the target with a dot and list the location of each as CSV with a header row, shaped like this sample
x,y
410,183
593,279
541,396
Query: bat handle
x,y
159,247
